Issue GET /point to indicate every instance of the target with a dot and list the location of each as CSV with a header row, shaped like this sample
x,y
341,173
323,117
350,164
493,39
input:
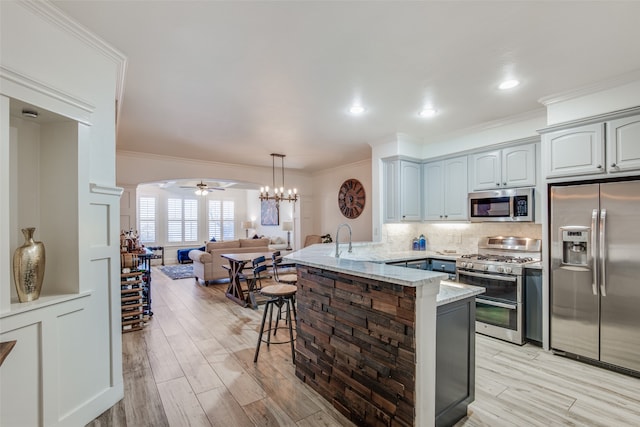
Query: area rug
x,y
182,271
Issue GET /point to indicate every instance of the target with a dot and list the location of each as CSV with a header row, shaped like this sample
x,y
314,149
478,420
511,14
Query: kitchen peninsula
x,y
371,335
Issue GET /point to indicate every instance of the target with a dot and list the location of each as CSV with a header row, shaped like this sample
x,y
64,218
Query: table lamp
x,y
247,225
288,227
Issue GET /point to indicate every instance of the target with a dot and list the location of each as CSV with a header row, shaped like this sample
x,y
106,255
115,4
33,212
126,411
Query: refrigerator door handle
x,y
603,252
594,254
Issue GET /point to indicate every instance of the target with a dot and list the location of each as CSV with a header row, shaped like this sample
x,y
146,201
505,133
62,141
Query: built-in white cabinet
x,y
402,196
505,168
445,189
595,149
57,174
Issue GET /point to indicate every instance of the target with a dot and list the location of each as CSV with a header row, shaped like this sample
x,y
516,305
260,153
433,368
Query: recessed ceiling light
x,y
508,84
428,112
356,109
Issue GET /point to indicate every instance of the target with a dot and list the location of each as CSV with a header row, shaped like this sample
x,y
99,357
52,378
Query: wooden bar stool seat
x,y
280,295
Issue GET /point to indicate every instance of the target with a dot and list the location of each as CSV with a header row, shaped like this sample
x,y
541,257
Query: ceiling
x,y
235,81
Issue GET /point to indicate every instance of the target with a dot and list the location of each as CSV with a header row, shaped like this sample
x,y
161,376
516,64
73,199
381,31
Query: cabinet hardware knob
x,y
498,184
440,216
504,183
446,216
613,165
599,166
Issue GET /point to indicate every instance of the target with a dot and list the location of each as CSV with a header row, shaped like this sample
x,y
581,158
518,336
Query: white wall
x,y
246,205
325,190
508,129
138,168
315,213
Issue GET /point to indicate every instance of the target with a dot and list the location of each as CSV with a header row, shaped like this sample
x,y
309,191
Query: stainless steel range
x,y
499,268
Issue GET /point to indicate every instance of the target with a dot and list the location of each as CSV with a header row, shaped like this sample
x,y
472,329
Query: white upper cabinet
x,y
623,144
577,151
486,171
410,191
402,196
445,189
505,168
582,150
391,195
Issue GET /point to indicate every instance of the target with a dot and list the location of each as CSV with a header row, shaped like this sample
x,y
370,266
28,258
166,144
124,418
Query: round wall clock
x,y
351,198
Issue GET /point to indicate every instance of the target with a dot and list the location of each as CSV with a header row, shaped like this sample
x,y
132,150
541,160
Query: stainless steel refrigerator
x,y
595,272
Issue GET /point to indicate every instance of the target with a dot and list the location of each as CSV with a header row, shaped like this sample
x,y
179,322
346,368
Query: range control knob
x,y
469,265
507,270
485,267
500,269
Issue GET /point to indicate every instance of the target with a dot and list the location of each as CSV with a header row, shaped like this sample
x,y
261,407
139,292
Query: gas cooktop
x,y
499,258
505,255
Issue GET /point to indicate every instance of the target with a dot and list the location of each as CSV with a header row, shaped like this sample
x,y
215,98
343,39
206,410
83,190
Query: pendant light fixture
x,y
278,193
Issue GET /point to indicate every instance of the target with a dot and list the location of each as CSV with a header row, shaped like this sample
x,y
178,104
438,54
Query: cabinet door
x,y
455,189
519,166
410,191
486,170
391,195
623,144
578,151
433,184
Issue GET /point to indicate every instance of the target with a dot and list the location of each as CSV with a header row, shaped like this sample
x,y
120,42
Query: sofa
x,y
208,265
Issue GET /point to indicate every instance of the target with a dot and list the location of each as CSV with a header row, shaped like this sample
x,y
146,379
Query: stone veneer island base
x,y
356,345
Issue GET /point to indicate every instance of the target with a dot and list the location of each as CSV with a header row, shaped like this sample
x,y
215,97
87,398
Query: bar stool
x,y
280,295
290,278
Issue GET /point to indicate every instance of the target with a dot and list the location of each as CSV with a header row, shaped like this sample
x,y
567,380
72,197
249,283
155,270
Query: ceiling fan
x,y
202,189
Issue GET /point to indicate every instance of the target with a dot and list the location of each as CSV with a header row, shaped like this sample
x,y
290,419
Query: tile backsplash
x,y
461,237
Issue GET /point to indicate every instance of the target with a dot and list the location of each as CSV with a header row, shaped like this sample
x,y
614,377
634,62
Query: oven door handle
x,y
497,304
488,276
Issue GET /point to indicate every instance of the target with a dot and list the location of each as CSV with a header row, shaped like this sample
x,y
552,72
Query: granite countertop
x,y
453,291
369,267
534,265
369,260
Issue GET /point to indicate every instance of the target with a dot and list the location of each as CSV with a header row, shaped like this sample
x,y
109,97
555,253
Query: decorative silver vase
x,y
28,267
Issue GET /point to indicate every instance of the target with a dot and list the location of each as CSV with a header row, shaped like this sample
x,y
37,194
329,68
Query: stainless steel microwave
x,y
515,204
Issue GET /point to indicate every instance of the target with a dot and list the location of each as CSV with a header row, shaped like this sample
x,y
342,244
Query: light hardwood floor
x,y
192,365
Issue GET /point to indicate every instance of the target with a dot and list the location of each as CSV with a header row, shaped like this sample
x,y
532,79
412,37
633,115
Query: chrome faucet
x,y
338,238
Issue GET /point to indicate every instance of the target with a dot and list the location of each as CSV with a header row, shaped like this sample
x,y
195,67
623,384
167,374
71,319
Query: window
x,y
221,219
147,218
182,220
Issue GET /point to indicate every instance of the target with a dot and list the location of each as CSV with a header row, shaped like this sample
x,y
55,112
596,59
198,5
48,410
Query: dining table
x,y
237,264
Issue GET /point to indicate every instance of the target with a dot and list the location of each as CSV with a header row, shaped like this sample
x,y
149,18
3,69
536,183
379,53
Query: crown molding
x,y
600,118
106,190
505,121
76,108
619,80
46,10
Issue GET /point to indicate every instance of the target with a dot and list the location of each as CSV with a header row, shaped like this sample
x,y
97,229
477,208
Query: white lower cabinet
x,y
445,189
